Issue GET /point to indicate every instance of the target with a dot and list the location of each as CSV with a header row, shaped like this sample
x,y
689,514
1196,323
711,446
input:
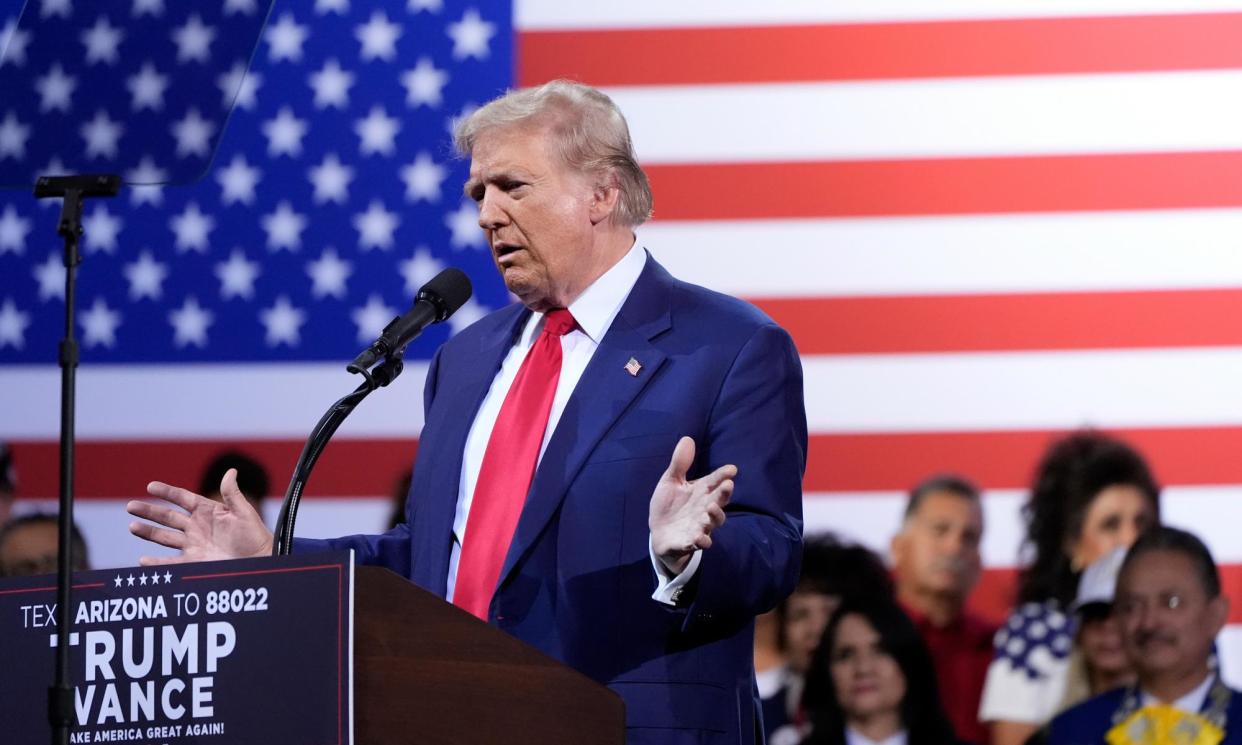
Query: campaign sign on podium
x,y
237,652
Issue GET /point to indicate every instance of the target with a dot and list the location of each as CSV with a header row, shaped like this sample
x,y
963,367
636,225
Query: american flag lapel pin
x,y
633,366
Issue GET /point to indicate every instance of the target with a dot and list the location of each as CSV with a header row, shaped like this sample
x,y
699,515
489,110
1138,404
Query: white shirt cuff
x,y
669,587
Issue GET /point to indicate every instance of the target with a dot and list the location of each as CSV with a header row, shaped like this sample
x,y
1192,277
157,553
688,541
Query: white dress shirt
x,y
1191,703
594,311
853,737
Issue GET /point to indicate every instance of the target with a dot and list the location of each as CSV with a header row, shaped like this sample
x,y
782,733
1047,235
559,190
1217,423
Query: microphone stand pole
x,y
74,189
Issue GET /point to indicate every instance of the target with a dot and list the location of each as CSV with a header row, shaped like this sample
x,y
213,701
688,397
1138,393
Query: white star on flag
x,y
284,133
244,7
13,231
471,36
101,42
99,324
13,135
51,277
239,86
378,37
237,181
13,323
148,7
375,226
331,85
323,7
377,132
328,275
423,178
372,318
467,314
190,323
285,39
463,223
193,40
419,269
13,53
146,277
284,228
101,135
424,84
283,323
55,89
146,89
193,134
100,228
146,183
237,276
431,6
192,228
331,180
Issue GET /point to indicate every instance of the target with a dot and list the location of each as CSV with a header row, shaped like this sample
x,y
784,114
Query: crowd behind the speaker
x,y
869,650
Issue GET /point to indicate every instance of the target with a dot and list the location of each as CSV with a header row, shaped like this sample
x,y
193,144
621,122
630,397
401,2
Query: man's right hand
x,y
203,529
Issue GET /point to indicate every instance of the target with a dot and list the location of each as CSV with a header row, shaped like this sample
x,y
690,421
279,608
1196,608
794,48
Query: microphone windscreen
x,y
449,290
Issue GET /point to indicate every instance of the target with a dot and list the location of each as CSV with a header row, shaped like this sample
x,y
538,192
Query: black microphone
x,y
436,301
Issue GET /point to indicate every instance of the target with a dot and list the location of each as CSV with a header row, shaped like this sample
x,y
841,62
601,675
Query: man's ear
x,y
897,546
1218,613
604,198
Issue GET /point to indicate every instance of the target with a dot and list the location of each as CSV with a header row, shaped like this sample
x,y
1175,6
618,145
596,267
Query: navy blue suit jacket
x,y
1088,722
577,580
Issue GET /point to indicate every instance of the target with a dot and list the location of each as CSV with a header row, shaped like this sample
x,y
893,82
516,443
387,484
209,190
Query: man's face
x,y
536,213
30,549
937,550
1168,622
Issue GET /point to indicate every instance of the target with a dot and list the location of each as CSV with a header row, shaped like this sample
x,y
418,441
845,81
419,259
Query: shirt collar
x,y
1192,702
853,737
598,305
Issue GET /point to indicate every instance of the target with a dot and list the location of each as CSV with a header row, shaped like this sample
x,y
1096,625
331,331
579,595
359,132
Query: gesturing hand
x,y
684,513
206,530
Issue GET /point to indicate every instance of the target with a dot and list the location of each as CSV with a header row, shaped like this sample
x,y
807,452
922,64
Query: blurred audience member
x,y
400,494
30,545
8,482
1170,608
872,681
251,477
1092,493
832,572
936,564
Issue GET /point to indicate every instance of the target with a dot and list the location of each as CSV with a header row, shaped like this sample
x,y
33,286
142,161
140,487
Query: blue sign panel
x,y
237,652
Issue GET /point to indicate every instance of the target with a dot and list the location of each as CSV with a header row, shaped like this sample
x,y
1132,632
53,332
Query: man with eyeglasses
x,y
1170,609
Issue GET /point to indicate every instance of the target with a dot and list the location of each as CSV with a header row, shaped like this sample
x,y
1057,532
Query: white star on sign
x,y
284,228
192,228
285,39
190,323
13,135
146,277
100,229
13,231
101,42
55,89
331,179
14,52
331,85
423,178
375,226
13,323
142,579
193,134
463,223
238,87
145,183
471,36
237,276
378,37
237,181
99,325
51,277
283,323
285,133
372,318
377,132
328,274
101,135
193,40
146,89
419,269
424,84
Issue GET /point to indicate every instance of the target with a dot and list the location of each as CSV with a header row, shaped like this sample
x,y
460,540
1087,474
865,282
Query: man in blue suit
x,y
641,570
1170,607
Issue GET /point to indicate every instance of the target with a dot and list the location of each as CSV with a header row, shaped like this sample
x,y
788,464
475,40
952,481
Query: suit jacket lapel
x,y
603,393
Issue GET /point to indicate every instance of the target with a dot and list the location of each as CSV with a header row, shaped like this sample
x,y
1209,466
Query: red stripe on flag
x,y
123,468
994,596
1006,460
947,186
877,51
1033,321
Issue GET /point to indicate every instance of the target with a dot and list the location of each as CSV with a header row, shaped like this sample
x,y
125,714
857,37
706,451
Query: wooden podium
x,y
428,672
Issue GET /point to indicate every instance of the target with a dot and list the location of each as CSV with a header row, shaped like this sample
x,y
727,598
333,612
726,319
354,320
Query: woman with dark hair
x,y
1092,494
871,681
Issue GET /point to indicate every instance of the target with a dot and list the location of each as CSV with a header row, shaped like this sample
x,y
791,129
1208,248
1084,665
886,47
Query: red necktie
x,y
509,467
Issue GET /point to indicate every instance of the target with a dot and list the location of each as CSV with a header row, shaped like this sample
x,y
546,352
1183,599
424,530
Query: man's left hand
x,y
684,513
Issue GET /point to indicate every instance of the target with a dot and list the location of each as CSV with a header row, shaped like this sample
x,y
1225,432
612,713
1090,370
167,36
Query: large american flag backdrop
x,y
983,223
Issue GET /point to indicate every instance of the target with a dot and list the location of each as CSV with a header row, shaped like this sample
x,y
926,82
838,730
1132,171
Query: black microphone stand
x,y
74,189
378,377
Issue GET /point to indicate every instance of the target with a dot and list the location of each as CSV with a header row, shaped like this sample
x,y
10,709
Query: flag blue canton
x,y
333,194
